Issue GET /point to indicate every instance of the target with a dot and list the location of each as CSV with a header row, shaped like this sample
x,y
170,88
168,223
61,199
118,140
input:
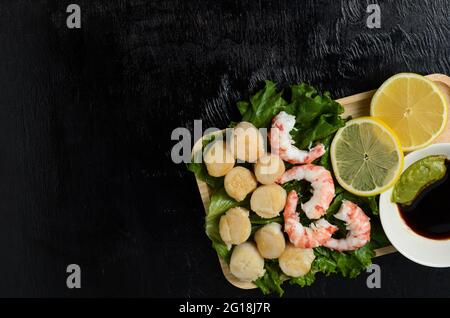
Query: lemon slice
x,y
366,156
413,106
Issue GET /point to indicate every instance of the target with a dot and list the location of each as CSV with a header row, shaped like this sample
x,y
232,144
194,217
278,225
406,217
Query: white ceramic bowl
x,y
422,250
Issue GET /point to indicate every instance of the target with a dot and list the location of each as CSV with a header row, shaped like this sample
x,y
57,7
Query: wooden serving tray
x,y
356,106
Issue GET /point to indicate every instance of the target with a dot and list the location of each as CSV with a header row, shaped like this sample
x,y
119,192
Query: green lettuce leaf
x,y
263,106
373,204
272,280
368,204
310,105
325,160
324,126
219,204
325,265
258,222
377,236
222,250
348,264
305,280
317,116
243,107
199,169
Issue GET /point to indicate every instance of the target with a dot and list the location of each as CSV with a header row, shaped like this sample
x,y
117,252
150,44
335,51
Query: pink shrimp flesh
x,y
281,142
315,235
358,227
322,186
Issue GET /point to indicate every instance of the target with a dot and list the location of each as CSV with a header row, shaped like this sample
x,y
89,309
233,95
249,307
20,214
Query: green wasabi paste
x,y
417,177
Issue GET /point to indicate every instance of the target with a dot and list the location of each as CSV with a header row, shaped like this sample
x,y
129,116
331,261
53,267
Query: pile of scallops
x,y
267,201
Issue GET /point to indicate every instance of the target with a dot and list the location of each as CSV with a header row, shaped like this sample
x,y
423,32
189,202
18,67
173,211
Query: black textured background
x,y
86,117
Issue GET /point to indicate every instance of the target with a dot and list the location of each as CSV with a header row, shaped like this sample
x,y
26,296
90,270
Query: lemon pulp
x,y
413,106
366,156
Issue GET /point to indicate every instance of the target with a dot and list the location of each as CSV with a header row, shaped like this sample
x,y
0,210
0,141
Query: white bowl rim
x,y
434,253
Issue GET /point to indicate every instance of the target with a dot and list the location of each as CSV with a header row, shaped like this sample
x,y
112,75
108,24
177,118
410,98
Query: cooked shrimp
x,y
304,237
281,142
358,227
322,185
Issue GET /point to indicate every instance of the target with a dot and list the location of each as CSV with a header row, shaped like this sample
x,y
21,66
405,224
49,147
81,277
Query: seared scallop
x,y
295,261
247,142
234,226
246,263
269,168
218,159
268,200
270,241
239,182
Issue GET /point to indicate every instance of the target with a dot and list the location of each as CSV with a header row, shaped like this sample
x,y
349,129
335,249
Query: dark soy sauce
x,y
429,214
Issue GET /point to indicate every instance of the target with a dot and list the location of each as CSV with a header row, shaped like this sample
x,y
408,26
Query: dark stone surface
x,y
86,117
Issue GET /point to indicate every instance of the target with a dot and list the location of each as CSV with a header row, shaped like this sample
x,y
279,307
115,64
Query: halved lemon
x,y
413,106
366,156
